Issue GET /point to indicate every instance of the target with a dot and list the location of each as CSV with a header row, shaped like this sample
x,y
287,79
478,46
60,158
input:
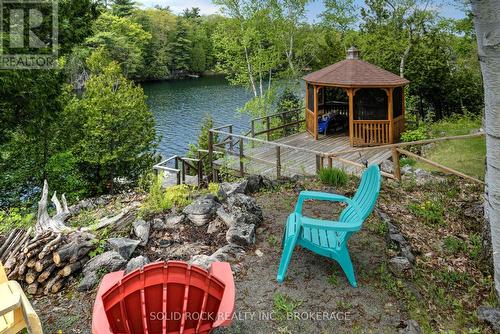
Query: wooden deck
x,y
263,159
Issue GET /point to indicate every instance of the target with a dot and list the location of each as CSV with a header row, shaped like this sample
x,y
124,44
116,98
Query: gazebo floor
x,y
262,160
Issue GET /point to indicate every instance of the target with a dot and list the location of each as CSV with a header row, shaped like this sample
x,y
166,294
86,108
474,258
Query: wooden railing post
x,y
200,172
252,131
242,167
183,169
278,162
231,137
178,172
211,154
318,163
268,127
395,163
330,162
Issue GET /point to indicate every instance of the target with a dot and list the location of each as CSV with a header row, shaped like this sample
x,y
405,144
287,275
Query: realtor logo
x,y
28,34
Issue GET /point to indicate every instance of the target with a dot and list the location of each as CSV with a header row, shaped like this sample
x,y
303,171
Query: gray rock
x,y
88,282
227,189
387,166
135,263
406,252
399,265
228,218
202,210
158,224
141,230
397,239
405,170
215,226
241,234
412,327
246,206
124,246
229,252
186,250
254,184
203,261
107,261
490,315
172,221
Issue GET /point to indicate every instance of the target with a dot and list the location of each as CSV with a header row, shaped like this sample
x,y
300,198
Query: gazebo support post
x,y
390,115
350,94
315,112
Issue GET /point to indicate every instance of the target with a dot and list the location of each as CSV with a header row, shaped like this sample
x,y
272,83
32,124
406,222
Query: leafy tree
x,y
114,133
123,39
122,8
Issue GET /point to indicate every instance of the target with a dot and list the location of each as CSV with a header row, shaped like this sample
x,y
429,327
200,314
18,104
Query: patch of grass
x,y
284,306
452,245
431,212
333,176
467,155
333,279
273,241
404,161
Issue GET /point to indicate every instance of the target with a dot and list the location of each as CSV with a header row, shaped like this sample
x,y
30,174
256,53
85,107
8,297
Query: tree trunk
x,y
487,25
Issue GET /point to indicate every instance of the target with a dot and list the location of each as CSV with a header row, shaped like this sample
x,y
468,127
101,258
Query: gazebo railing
x,y
371,132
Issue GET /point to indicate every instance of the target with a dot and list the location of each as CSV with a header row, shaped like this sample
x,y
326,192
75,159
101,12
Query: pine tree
x,y
180,48
123,8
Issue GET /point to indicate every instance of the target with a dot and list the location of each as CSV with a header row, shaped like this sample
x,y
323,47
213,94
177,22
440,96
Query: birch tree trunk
x,y
487,25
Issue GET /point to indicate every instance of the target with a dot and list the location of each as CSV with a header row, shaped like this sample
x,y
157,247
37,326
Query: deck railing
x,y
286,122
370,132
234,145
182,166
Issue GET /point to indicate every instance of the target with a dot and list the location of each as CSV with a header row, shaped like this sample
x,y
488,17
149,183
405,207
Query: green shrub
x,y
404,161
431,211
414,135
333,176
160,200
15,218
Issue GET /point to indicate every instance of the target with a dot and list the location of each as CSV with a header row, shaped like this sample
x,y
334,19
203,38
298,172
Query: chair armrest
x,y
11,297
321,196
223,272
330,225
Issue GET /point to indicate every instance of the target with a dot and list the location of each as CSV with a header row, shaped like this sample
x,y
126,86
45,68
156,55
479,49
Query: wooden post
x,y
242,169
395,163
231,137
330,162
350,94
252,132
200,172
211,154
283,123
404,110
268,126
390,115
179,172
315,113
278,162
318,163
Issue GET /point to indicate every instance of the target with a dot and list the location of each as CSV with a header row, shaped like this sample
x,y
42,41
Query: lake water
x,y
180,106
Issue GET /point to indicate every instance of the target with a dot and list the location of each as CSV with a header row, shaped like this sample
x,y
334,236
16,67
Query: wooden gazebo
x,y
359,97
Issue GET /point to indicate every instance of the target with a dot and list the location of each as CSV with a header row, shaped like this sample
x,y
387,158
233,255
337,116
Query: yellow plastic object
x,y
16,312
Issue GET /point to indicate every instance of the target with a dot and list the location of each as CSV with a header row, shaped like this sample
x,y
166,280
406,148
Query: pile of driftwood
x,y
48,255
47,260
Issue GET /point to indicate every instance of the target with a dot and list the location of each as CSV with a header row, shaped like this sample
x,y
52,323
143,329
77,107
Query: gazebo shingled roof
x,y
354,73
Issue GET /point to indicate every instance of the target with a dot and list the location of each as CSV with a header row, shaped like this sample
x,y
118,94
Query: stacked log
x,y
46,261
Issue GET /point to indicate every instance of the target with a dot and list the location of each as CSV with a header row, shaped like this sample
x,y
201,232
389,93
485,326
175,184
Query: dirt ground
x,y
315,292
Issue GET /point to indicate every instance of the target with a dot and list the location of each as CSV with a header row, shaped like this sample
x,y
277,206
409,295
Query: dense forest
x,y
85,126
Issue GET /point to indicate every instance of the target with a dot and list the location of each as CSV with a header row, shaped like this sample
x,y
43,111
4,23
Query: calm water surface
x,y
180,107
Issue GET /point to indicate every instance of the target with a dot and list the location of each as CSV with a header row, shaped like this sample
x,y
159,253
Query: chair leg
x,y
288,247
345,262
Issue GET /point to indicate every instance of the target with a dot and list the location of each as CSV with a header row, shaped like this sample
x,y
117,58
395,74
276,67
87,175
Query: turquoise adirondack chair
x,y
329,238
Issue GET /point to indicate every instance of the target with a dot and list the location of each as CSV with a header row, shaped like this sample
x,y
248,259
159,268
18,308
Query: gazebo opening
x,y
357,98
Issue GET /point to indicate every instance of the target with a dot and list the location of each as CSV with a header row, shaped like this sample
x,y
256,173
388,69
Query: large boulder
x,y
202,210
203,261
229,252
107,262
124,246
241,234
135,263
141,230
399,265
227,189
88,282
254,184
